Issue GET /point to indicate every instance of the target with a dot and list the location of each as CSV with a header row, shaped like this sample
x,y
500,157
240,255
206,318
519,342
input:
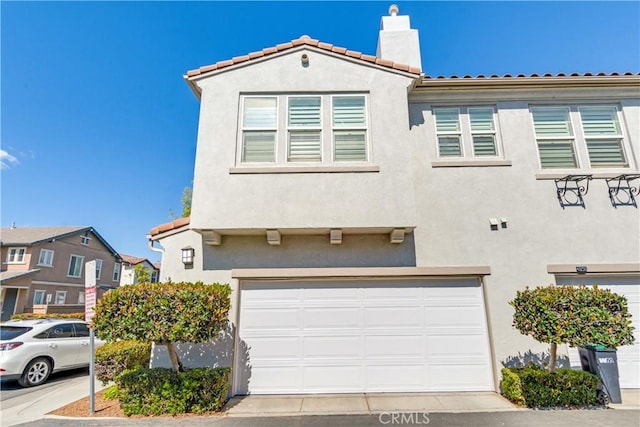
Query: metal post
x,y
92,373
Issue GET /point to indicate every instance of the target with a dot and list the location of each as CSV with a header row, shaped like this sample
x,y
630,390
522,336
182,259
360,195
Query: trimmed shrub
x,y
113,358
160,391
30,316
165,313
111,392
535,387
511,386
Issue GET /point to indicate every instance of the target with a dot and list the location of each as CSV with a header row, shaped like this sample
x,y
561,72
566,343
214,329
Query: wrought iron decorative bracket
x,y
621,190
571,188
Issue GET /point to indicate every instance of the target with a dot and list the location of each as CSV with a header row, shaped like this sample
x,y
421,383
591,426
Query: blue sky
x,y
99,128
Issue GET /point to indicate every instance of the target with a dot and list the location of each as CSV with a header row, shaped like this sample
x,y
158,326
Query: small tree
x,y
187,195
575,315
141,274
164,313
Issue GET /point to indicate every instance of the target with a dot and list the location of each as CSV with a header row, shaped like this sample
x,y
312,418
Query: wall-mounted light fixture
x,y
187,256
305,60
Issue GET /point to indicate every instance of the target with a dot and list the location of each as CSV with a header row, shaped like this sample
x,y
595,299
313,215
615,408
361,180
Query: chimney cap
x,y
393,10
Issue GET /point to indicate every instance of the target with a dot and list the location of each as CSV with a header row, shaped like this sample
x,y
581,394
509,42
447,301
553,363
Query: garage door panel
x,y
357,336
272,319
449,316
456,345
337,347
346,378
393,317
275,347
394,346
332,318
398,377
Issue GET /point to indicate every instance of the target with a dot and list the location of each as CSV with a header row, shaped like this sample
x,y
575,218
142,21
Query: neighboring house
x,y
45,266
373,222
129,263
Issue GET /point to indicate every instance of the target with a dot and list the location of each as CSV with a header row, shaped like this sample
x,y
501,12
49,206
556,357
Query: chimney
x,y
397,42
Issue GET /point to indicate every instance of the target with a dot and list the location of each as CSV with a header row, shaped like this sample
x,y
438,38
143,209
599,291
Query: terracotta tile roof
x,y
506,76
168,226
308,41
132,259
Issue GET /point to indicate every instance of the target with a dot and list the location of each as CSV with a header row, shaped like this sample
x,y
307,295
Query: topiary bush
x,y
160,391
164,313
29,316
113,358
535,387
575,315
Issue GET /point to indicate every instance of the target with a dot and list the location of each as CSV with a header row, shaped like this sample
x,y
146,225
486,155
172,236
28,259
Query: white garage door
x,y
628,356
355,336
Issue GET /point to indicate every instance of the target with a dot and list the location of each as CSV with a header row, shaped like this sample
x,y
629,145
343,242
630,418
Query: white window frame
x,y
16,255
246,130
116,272
81,263
84,240
42,293
579,139
81,297
326,128
365,128
466,133
154,276
291,129
45,259
62,296
98,268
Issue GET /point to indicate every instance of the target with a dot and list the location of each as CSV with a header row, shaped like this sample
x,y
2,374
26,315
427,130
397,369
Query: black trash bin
x,y
602,362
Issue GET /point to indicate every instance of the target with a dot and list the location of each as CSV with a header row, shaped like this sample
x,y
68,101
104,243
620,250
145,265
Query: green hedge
x,y
113,358
160,391
535,387
29,316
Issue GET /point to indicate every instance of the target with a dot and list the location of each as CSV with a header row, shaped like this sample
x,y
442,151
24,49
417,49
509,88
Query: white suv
x,y
30,350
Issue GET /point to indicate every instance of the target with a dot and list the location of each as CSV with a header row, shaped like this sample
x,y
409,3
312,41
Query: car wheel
x,y
36,372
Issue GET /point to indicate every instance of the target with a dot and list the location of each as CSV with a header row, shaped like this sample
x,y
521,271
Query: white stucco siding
x,y
308,200
455,205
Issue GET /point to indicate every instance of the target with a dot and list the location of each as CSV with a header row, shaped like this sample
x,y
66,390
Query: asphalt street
x,y
520,418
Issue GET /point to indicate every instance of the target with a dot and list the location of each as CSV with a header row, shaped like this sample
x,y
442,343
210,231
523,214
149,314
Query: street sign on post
x,y
90,291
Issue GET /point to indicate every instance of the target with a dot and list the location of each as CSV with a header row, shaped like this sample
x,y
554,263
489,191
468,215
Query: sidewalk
x,y
289,405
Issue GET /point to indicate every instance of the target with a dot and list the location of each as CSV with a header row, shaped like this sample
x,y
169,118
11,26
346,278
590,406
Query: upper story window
x,y
116,272
75,266
320,129
46,258
567,134
84,239
98,268
466,132
16,255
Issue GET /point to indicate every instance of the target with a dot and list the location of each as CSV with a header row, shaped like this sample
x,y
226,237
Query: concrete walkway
x,y
285,405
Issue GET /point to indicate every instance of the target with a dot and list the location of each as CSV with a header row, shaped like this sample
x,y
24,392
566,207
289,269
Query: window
x,y
98,268
84,240
75,266
82,330
61,297
16,255
63,330
259,129
320,129
46,258
566,134
154,276
116,272
603,136
466,130
304,122
39,297
81,297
